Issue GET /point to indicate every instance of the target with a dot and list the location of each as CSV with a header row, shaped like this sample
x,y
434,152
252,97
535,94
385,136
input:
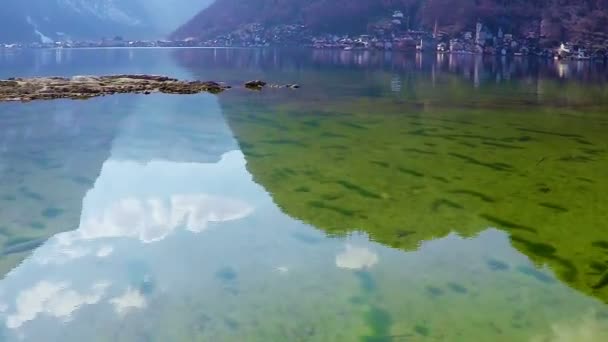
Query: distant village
x,y
391,34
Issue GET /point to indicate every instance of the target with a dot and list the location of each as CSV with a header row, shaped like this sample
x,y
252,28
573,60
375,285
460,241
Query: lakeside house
x,y
389,33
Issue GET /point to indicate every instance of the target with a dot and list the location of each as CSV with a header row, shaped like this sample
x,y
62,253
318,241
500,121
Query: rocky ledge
x,y
85,87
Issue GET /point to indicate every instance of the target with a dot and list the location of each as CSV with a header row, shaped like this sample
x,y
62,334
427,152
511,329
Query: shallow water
x,y
391,198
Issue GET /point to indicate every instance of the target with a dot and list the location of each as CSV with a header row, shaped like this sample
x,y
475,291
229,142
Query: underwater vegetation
x,y
407,174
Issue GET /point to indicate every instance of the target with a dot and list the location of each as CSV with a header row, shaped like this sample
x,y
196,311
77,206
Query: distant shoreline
x,y
356,51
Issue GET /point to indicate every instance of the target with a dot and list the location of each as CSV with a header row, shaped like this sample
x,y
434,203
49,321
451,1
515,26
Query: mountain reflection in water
x,y
391,198
525,155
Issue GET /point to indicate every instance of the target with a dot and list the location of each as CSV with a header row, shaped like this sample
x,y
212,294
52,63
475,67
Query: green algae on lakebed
x,y
406,174
429,170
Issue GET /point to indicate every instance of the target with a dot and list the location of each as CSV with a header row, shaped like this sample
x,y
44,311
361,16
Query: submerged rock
x,y
85,87
257,84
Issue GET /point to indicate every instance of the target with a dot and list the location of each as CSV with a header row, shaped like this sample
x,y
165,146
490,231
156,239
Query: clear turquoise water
x,y
392,198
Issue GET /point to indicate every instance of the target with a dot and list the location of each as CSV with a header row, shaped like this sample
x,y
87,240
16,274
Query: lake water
x,y
391,198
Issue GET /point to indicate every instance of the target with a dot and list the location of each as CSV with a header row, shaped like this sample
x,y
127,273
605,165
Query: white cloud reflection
x,y
105,251
585,329
153,219
356,258
131,300
148,220
282,269
61,254
55,299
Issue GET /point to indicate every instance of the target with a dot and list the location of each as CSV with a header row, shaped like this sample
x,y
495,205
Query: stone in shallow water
x,y
380,322
457,288
227,274
497,265
82,180
367,282
37,225
422,330
52,212
256,84
434,291
231,324
536,274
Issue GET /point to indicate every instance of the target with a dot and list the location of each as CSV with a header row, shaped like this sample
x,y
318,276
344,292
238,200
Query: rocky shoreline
x,y
86,87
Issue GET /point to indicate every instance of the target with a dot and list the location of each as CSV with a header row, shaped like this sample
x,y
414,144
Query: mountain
x,y
166,15
558,19
320,15
44,20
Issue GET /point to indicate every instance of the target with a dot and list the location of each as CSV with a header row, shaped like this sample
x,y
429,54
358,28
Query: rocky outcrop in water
x,y
85,87
257,84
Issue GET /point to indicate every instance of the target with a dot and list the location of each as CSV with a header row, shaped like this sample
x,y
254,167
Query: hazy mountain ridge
x,y
111,10
557,19
78,19
38,20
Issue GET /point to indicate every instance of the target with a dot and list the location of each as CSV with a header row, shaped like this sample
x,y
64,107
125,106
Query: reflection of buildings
x,y
478,70
396,84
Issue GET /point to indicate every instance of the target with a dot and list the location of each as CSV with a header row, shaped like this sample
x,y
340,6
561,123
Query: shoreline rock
x,y
86,87
255,85
259,85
